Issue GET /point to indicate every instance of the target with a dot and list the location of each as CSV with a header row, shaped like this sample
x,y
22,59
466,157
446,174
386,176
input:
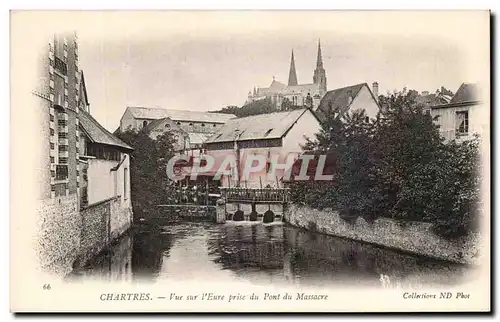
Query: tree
x,y
149,183
262,106
396,166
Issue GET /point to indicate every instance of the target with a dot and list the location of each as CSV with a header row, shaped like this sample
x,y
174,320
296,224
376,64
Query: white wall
x,y
447,120
364,100
104,184
306,125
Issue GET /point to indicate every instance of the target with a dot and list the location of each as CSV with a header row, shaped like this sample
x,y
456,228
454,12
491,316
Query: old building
x,y
461,118
350,98
294,94
84,185
160,126
275,135
190,128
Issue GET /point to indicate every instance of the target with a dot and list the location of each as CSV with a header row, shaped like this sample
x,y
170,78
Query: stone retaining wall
x,y
414,237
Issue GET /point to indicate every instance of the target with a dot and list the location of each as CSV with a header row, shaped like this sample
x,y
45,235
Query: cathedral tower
x,y
319,73
292,77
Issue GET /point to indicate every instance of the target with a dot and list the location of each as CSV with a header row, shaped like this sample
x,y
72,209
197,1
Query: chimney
x,y
375,90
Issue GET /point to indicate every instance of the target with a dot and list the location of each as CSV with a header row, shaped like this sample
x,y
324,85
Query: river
x,y
261,254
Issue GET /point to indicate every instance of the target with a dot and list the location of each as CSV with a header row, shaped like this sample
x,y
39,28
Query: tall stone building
x,y
83,188
294,94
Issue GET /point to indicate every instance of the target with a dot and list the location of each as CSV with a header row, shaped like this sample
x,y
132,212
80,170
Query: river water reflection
x,y
261,254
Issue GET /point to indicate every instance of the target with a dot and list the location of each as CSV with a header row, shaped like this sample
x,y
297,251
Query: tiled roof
x,y
198,138
466,93
262,126
179,115
97,133
338,98
432,99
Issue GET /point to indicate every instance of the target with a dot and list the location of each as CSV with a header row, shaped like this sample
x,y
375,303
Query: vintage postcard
x,y
250,161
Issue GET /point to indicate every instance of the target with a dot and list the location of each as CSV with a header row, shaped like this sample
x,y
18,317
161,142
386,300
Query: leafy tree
x,y
396,166
262,106
149,183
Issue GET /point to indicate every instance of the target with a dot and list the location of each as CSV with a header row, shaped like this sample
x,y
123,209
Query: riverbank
x,y
261,254
414,237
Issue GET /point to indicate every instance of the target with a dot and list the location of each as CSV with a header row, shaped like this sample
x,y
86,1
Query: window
x,y
215,125
190,124
178,123
60,66
202,124
462,123
167,125
367,119
144,123
61,172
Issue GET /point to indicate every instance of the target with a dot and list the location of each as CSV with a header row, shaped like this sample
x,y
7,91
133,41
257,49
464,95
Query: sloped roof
x,y
275,88
432,99
198,138
153,124
262,126
303,88
338,98
97,133
466,93
178,115
83,88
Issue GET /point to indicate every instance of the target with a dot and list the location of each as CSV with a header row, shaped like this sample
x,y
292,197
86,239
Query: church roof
x,y
178,115
97,133
262,126
338,98
302,88
275,88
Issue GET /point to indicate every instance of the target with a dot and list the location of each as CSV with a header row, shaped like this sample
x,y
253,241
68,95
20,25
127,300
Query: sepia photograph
x,y
250,161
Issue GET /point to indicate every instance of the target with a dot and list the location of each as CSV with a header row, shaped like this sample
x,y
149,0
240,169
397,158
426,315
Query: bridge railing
x,y
261,195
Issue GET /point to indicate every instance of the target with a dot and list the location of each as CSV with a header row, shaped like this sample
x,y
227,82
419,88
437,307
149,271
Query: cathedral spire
x,y
292,77
319,73
319,61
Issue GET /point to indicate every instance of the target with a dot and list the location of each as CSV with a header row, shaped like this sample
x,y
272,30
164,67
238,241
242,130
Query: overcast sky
x,y
206,61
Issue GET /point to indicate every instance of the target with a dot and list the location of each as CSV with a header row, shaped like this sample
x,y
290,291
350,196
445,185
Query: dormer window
x,y
167,125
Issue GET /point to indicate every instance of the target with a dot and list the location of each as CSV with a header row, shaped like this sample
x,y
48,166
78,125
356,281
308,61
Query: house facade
x,y
83,188
351,98
463,116
275,136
